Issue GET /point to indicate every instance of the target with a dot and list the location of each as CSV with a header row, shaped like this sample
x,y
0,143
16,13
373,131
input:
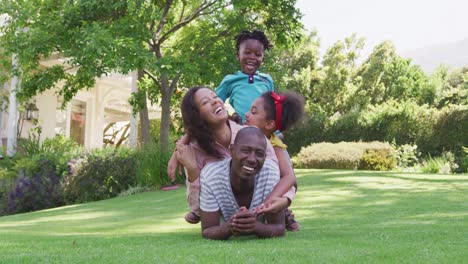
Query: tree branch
x,y
182,12
162,22
151,75
195,14
175,80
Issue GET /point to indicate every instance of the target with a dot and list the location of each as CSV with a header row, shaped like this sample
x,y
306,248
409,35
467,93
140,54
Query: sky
x,y
409,24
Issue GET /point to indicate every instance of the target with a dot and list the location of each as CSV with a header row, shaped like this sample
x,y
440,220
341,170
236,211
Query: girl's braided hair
x,y
256,34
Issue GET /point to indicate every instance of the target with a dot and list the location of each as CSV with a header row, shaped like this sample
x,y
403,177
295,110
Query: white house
x,y
103,106
85,117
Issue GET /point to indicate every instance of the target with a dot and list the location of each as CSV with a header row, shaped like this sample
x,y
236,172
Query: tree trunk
x,y
13,112
144,118
166,93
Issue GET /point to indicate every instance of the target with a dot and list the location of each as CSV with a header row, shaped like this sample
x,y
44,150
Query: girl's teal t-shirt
x,y
241,92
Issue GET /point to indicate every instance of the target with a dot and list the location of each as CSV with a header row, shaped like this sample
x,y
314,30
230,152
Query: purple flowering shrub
x,y
36,190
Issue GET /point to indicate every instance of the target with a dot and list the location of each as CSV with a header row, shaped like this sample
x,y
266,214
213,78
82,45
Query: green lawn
x,y
346,217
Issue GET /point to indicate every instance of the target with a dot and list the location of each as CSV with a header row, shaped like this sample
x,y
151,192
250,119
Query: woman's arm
x,y
185,154
173,163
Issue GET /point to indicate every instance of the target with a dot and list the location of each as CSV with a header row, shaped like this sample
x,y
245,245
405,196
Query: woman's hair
x,y
195,126
256,34
292,108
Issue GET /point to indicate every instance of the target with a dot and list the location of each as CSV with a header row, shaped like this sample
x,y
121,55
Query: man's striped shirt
x,y
216,192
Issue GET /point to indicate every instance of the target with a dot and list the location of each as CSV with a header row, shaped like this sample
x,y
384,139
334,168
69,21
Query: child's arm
x,y
287,180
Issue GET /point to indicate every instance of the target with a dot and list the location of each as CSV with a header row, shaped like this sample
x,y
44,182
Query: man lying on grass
x,y
232,188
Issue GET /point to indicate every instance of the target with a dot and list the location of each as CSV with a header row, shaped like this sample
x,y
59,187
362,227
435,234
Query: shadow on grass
x,y
345,216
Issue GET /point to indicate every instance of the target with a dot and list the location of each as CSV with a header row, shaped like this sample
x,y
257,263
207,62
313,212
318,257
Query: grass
x,y
345,216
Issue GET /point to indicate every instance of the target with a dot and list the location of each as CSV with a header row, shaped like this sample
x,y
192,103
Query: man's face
x,y
250,55
248,156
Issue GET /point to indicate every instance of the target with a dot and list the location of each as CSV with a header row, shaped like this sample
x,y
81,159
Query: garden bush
x,y
151,168
310,130
462,161
444,164
346,155
36,189
344,127
382,159
35,173
58,144
100,174
7,181
451,130
402,122
406,155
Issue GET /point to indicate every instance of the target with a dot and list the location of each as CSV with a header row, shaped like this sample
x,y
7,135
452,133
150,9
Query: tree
x,y
385,75
337,75
174,43
452,87
296,68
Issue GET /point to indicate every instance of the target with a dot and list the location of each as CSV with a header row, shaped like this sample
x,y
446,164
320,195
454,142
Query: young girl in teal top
x,y
246,85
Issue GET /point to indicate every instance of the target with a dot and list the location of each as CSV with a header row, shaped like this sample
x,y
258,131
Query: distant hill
x,y
453,55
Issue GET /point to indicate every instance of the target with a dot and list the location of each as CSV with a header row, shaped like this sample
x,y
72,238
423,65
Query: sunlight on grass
x,y
345,216
389,183
324,197
461,215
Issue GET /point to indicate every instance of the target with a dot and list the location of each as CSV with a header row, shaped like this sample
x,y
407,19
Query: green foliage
x,y
36,181
295,68
151,170
453,87
450,129
175,43
335,80
378,159
58,144
385,75
100,174
37,189
406,155
444,164
344,127
405,122
7,181
155,128
308,131
463,161
59,150
346,155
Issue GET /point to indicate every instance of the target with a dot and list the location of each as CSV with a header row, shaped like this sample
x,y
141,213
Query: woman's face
x,y
257,116
209,105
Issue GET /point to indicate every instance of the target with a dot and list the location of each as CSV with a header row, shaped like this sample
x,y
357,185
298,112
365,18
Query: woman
x,y
211,133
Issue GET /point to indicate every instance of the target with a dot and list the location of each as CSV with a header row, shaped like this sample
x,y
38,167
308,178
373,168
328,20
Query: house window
x,y
78,121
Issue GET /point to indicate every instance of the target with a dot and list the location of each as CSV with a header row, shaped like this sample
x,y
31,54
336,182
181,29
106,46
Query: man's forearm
x,y
221,232
269,230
